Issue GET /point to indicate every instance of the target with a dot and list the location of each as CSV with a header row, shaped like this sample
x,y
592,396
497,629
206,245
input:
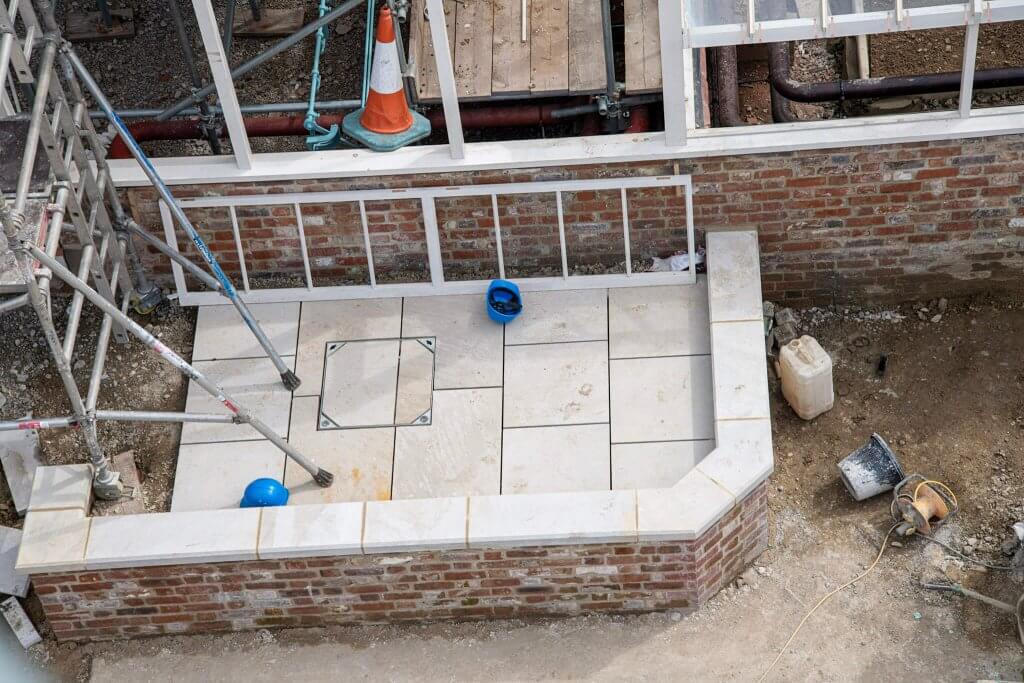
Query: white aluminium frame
x,y
828,25
680,140
427,196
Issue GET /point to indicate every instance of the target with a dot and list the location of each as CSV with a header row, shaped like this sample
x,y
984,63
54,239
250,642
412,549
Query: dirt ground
x,y
155,74
951,404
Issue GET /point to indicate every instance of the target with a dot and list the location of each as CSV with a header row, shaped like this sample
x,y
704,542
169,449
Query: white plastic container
x,y
806,372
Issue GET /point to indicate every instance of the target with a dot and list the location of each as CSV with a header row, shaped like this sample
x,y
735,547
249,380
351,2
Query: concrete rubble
x,y
19,457
11,582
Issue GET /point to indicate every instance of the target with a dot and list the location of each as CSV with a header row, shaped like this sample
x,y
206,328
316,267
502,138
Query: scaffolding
x,y
71,203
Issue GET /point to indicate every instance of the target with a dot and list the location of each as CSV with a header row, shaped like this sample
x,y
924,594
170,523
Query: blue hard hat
x,y
264,492
504,302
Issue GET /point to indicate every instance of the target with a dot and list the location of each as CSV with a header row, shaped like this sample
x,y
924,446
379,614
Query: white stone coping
x,y
59,536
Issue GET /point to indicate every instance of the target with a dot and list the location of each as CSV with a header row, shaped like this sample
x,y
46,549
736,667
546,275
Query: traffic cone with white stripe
x,y
386,122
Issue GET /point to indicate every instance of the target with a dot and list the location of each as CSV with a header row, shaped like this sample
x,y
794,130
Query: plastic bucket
x,y
871,469
504,302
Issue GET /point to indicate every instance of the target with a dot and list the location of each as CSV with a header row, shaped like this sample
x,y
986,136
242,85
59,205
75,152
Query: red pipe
x,y
639,119
277,126
188,129
505,116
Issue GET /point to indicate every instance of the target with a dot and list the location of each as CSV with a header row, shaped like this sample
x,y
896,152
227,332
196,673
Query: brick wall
x,y
452,584
892,222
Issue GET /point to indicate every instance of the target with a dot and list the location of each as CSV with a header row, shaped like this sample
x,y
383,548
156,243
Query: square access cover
x,y
377,383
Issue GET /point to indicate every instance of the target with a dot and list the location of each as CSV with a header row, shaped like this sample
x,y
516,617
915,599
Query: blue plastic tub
x,y
504,302
264,492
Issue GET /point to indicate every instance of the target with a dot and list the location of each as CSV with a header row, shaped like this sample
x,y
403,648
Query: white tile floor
x,y
426,397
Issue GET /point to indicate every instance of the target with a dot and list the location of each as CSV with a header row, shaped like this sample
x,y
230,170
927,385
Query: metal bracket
x,y
111,489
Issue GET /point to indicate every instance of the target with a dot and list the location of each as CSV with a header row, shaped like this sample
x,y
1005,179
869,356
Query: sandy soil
x,y
950,404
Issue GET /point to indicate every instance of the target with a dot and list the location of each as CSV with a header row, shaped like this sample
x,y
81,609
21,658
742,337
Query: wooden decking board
x,y
474,31
563,53
586,46
511,59
549,50
427,85
643,46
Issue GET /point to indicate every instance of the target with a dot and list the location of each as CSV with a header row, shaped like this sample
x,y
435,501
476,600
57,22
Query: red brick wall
x,y
453,584
891,222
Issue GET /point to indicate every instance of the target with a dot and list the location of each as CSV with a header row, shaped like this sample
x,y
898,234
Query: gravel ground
x,y
155,75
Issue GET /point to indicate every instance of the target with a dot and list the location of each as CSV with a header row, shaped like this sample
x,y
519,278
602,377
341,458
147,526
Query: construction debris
x,y
11,582
22,626
19,457
781,326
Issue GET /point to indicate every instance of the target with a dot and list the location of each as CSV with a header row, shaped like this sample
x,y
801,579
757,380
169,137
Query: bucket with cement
x,y
871,469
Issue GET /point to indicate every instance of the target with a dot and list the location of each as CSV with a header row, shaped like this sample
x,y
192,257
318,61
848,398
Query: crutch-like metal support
x,y
288,377
320,475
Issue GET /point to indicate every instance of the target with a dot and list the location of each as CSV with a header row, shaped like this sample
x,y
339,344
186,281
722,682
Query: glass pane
x,y
860,6
911,4
717,13
774,10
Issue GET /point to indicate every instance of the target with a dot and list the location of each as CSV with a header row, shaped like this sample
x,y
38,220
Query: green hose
x,y
371,20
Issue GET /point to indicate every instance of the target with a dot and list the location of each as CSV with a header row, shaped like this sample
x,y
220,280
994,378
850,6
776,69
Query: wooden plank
x,y
427,85
643,46
82,27
510,72
475,37
272,23
549,52
586,46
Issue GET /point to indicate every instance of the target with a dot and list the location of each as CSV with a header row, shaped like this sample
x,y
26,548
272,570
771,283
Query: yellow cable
x,y
885,543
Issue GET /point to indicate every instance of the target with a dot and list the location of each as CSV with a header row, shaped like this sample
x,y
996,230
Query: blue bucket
x,y
264,492
504,302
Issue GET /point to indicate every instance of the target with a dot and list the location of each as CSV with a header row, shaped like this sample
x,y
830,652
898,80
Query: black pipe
x,y
229,30
593,107
778,67
891,86
105,16
727,86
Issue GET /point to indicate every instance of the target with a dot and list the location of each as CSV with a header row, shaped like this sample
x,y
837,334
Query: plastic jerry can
x,y
806,372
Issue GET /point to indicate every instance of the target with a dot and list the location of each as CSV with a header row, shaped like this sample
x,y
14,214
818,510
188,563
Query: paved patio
x,y
426,397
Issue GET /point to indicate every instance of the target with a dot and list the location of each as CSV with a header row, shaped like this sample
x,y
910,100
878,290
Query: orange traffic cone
x,y
386,122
